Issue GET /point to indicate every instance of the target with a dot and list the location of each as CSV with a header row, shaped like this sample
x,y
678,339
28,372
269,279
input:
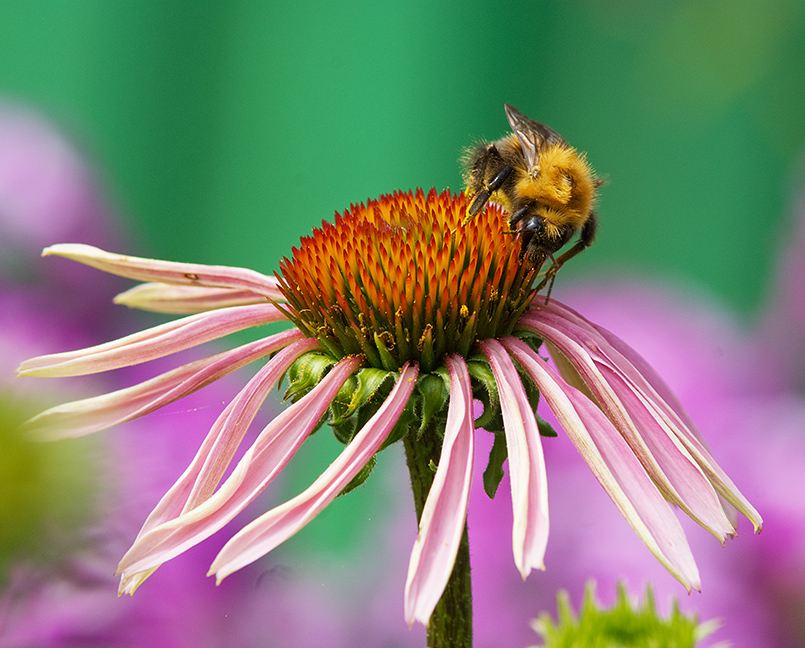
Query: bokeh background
x,y
220,132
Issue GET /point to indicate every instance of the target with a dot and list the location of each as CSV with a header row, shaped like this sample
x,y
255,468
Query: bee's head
x,y
540,222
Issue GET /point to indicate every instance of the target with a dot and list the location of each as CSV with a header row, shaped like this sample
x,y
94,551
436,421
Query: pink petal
x,y
94,414
185,300
691,484
205,471
152,343
270,452
529,481
445,511
170,272
638,416
645,380
280,523
614,465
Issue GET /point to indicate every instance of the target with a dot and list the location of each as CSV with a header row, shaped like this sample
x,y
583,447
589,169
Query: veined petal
x,y
205,471
445,511
689,480
614,465
638,372
529,482
100,412
272,449
186,300
280,523
152,343
638,417
170,272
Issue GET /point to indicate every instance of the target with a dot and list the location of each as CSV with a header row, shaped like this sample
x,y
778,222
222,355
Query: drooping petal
x,y
205,471
270,452
645,381
100,412
689,480
614,465
445,512
637,416
280,523
152,343
529,481
185,300
169,272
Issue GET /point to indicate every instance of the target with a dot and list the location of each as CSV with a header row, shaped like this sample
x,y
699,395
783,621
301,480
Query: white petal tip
x,y
61,248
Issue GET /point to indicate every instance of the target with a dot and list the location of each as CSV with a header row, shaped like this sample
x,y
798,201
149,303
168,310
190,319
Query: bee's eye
x,y
534,224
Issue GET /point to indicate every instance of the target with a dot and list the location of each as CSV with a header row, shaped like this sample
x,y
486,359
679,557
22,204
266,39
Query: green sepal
x,y
533,340
433,392
345,431
485,389
494,473
545,428
361,477
356,392
408,419
356,402
306,372
531,390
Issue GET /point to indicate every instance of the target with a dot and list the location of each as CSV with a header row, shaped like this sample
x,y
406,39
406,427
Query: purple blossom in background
x,y
47,192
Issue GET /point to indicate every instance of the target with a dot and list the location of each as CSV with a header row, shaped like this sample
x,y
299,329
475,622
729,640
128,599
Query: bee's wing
x,y
532,135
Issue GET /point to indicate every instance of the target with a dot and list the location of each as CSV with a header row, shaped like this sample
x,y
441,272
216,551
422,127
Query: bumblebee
x,y
545,186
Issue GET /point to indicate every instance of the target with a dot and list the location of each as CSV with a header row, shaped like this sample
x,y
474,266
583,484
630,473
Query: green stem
x,y
451,622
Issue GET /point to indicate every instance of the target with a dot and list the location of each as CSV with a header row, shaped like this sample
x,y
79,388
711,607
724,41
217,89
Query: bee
x,y
545,186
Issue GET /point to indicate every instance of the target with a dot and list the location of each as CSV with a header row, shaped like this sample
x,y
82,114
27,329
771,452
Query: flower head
x,y
402,316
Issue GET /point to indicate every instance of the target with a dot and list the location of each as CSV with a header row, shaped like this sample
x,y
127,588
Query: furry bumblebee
x,y
545,186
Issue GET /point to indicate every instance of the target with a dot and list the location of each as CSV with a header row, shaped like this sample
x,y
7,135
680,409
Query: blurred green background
x,y
228,129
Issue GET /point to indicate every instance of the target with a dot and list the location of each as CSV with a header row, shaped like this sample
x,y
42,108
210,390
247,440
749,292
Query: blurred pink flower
x,y
48,191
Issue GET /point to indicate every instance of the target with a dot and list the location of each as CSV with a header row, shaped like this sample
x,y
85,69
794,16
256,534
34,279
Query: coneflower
x,y
401,317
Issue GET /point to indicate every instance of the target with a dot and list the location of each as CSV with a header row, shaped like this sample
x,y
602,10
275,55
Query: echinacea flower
x,y
402,317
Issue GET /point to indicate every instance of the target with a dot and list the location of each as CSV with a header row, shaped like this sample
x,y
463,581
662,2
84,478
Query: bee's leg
x,y
549,276
585,240
495,182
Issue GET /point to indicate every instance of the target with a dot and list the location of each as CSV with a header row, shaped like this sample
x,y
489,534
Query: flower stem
x,y
451,622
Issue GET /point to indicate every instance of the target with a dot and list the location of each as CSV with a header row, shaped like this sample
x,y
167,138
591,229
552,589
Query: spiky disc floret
x,y
401,279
